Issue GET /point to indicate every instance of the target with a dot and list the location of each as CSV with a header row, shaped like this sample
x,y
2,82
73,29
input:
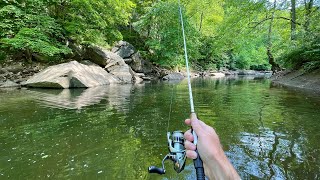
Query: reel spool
x,y
177,153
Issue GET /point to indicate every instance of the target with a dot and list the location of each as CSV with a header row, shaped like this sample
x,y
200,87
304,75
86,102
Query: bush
x,y
31,40
307,55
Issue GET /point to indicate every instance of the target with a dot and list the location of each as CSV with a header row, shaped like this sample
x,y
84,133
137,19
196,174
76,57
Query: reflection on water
x,y
80,98
116,132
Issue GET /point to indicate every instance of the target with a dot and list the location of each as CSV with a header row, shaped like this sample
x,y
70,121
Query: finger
x,y
188,122
188,135
196,126
190,146
191,154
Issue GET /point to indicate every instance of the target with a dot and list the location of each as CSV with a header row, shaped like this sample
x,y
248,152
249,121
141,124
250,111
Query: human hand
x,y
215,162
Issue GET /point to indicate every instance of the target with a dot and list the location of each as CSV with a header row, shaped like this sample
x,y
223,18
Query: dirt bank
x,y
299,79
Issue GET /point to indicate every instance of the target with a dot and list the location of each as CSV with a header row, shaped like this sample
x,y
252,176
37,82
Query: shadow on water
x,y
116,132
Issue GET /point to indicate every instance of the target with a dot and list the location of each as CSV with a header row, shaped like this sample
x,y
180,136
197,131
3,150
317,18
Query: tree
x,y
274,66
161,28
293,19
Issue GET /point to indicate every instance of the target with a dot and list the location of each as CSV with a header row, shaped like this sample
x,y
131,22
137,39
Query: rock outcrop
x,y
72,75
117,67
123,49
132,57
112,62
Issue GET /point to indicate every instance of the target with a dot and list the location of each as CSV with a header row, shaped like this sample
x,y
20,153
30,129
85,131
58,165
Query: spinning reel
x,y
177,153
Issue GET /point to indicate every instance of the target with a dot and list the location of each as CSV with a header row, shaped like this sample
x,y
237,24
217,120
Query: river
x,y
116,132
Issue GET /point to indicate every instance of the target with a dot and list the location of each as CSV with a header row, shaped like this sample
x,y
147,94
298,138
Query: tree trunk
x,y
293,19
274,66
200,25
308,7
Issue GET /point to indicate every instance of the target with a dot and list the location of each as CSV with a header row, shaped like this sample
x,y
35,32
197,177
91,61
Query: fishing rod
x,y
177,152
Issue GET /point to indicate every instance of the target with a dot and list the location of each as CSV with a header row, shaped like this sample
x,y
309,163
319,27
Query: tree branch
x,y
258,23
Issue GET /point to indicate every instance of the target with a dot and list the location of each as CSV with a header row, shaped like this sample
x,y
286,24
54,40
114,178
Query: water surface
x,y
116,132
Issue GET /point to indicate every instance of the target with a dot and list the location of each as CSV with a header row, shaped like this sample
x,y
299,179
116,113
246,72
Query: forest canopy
x,y
221,34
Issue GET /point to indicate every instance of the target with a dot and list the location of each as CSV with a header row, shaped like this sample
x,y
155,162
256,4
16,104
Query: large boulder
x,y
71,75
123,49
117,67
112,62
97,55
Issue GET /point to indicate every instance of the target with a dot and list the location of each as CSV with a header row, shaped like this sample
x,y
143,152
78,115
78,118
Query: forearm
x,y
221,168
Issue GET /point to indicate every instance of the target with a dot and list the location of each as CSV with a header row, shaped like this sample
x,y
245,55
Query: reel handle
x,y
154,169
198,164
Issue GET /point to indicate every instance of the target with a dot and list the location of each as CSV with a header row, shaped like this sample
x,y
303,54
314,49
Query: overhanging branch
x,y
288,19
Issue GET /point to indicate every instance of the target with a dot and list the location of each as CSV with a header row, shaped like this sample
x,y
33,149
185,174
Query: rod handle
x,y
198,164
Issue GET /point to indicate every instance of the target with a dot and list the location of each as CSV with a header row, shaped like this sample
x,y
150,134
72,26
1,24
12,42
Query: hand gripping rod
x,y
198,164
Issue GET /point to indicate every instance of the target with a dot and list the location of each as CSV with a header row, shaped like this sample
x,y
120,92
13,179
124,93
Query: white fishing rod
x,y
177,150
198,164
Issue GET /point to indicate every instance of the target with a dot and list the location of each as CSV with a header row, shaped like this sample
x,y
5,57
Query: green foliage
x,y
220,33
44,27
96,21
11,20
162,30
33,40
307,56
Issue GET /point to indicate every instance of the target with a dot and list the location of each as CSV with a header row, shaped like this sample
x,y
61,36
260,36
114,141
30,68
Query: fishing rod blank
x,y
198,164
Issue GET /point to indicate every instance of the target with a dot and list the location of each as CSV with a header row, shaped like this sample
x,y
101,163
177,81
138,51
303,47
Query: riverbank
x,y
299,79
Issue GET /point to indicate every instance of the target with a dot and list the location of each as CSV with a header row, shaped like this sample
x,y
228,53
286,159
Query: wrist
x,y
220,166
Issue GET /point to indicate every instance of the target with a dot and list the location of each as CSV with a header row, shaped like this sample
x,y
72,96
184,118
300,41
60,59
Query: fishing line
x,y
170,109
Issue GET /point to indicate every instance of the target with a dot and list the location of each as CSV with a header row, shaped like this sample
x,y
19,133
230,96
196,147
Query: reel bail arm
x,y
177,153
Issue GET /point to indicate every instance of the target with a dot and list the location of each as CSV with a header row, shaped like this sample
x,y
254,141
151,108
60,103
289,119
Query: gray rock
x,y
141,75
9,84
137,79
14,68
247,72
96,55
128,60
146,78
77,51
89,63
117,67
217,75
173,76
140,65
71,75
123,49
112,62
3,70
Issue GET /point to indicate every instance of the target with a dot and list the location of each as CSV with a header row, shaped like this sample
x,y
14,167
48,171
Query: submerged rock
x,y
71,75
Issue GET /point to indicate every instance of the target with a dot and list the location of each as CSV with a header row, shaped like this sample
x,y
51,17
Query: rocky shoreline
x,y
299,79
95,66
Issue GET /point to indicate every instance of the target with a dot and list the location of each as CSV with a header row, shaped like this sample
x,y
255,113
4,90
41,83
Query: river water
x,y
116,132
